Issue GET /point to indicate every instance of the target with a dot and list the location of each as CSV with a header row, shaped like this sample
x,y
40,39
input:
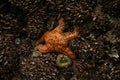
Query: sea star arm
x,y
40,40
69,53
71,35
43,48
61,25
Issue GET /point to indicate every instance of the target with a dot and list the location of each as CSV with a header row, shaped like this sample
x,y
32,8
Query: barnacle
x,y
63,61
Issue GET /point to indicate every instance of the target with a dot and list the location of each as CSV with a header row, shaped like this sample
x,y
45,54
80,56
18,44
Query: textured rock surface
x,y
22,22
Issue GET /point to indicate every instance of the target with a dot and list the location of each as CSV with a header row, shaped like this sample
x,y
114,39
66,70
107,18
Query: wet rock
x,y
38,68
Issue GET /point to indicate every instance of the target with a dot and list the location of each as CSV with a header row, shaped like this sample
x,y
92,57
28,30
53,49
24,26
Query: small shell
x,y
35,53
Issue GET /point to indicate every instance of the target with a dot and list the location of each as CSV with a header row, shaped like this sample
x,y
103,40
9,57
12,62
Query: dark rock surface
x,y
22,22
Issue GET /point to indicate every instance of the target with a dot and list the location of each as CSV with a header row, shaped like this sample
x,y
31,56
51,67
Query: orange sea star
x,y
57,41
